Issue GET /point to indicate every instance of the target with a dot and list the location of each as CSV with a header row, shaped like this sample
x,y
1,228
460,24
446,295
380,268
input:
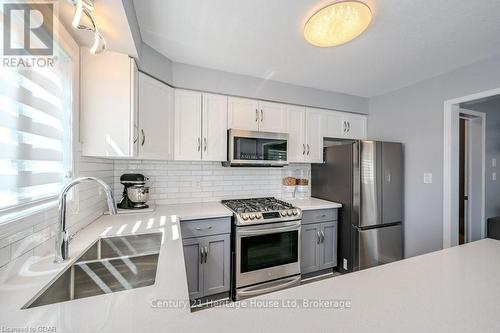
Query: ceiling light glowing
x,y
87,7
337,23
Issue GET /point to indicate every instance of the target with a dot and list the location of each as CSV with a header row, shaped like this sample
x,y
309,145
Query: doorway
x,y
470,195
463,176
464,171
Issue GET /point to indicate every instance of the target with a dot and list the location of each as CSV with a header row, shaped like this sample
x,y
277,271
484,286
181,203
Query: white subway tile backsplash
x,y
182,182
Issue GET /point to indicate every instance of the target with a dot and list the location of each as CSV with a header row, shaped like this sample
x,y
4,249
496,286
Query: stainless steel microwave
x,y
250,148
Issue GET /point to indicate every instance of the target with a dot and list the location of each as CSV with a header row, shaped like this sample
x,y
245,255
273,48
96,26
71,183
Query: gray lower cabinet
x,y
309,260
216,268
207,259
194,268
318,246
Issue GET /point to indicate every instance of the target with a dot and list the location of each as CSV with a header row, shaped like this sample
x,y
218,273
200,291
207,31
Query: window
x,y
35,132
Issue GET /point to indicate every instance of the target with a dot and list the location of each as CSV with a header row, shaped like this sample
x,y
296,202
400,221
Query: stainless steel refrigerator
x,y
366,177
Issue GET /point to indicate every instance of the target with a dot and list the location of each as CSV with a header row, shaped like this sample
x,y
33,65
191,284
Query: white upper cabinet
x,y
200,126
273,117
214,127
156,119
253,115
354,126
314,135
109,88
243,114
187,125
305,140
296,134
344,125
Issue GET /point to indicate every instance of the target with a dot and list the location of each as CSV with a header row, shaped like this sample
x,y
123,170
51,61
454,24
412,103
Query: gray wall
x,y
492,110
128,6
155,64
414,116
193,77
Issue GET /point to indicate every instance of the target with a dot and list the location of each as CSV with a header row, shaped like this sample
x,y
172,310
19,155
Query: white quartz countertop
x,y
196,211
313,203
454,290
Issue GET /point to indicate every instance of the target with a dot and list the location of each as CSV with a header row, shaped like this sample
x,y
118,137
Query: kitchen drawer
x,y
205,227
319,215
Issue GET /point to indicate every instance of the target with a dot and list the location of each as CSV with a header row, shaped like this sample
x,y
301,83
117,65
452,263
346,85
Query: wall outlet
x,y
494,176
494,162
345,264
427,178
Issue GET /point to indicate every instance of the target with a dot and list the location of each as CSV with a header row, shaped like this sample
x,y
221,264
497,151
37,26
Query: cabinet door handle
x,y
256,115
206,254
303,149
261,115
143,137
308,150
199,229
199,144
345,126
202,254
322,236
136,134
318,238
348,127
205,148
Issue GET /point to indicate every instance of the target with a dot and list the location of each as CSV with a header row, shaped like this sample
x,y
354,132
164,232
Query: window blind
x,y
35,132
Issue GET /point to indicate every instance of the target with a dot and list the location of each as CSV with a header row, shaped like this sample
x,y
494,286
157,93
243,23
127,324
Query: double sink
x,y
109,265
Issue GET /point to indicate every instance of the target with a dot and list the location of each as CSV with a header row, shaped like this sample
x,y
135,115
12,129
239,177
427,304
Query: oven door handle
x,y
255,290
255,232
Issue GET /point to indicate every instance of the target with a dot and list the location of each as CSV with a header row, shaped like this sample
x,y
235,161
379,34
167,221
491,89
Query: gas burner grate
x,y
255,205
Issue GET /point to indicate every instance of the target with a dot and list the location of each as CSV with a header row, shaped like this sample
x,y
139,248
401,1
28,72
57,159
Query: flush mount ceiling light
x,y
86,7
337,23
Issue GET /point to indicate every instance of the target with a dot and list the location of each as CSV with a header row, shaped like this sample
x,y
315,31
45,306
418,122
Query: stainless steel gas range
x,y
265,246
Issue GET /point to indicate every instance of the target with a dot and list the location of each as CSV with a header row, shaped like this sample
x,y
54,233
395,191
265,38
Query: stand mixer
x,y
135,192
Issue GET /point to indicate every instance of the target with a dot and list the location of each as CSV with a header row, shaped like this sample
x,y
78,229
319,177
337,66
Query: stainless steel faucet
x,y
62,237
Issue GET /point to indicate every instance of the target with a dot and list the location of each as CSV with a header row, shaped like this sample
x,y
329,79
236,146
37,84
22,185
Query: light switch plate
x,y
345,264
494,176
494,162
427,178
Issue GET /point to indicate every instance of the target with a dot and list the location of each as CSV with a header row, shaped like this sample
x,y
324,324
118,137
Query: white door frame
x,y
451,164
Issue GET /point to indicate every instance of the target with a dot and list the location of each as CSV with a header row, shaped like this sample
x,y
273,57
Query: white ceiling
x,y
407,41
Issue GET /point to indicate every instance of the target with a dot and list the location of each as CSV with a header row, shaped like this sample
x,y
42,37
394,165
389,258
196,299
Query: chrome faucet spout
x,y
62,237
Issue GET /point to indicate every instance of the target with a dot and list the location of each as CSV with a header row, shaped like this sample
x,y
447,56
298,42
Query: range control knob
x,y
283,213
252,216
258,215
289,213
244,217
295,212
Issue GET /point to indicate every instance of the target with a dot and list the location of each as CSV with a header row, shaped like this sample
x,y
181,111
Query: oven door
x,y
248,148
267,252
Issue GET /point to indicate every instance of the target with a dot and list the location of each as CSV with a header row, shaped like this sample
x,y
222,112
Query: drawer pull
x,y
321,216
200,229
